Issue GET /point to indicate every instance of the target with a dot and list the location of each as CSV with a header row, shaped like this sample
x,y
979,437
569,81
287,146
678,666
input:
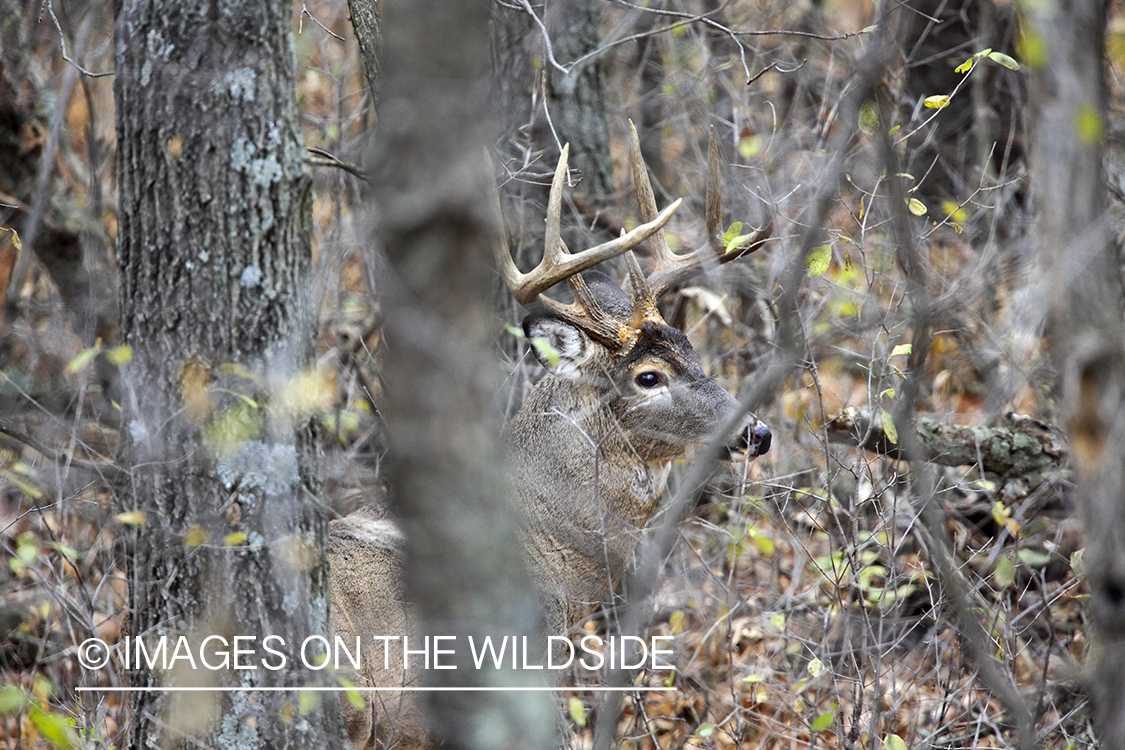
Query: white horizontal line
x,y
320,689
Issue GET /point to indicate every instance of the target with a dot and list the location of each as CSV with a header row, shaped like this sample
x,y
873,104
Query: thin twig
x,y
62,43
329,160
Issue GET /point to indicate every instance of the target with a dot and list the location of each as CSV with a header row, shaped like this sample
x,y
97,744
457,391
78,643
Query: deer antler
x,y
670,269
559,264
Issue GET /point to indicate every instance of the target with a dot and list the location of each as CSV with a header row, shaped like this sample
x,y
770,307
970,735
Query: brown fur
x,y
589,454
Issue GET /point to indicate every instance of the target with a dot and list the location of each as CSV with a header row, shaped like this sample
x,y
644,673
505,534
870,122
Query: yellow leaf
x,y
15,238
750,146
120,355
235,538
130,518
577,711
889,428
938,101
84,358
917,207
195,536
818,260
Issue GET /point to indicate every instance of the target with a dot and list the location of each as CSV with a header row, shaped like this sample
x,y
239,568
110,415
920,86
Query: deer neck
x,y
586,493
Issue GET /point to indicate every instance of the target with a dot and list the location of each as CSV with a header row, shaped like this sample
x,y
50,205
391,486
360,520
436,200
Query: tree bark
x,y
368,28
437,225
214,260
1085,294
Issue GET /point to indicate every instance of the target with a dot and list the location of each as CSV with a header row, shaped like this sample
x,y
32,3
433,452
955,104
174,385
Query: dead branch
x,y
1022,448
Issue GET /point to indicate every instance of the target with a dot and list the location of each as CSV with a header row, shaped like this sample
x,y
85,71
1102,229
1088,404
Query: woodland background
x,y
822,596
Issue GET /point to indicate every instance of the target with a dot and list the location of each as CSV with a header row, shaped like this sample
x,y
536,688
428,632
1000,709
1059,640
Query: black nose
x,y
754,440
760,438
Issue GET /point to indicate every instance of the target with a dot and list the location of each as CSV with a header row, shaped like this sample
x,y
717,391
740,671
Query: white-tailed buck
x,y
624,395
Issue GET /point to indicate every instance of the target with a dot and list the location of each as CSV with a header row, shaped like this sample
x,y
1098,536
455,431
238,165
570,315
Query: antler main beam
x,y
558,263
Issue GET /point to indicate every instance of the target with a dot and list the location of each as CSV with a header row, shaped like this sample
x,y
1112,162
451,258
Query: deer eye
x,y
650,379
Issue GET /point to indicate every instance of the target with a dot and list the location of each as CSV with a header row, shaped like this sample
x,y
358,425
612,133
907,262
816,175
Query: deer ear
x,y
560,347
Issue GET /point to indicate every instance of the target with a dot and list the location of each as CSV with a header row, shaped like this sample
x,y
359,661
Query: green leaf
x,y
307,701
902,349
1076,563
577,711
938,101
354,697
68,552
738,241
868,118
916,207
815,667
749,146
966,66
1005,60
1004,574
544,348
894,130
818,260
764,544
53,727
894,742
13,699
27,488
823,721
705,730
733,231
889,428
777,619
1033,558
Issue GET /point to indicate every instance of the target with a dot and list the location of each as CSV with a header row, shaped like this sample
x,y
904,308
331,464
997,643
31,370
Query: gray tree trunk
x,y
437,225
214,260
1085,291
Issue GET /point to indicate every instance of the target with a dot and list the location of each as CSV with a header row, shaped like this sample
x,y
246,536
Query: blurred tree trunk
x,y
1085,289
214,259
437,225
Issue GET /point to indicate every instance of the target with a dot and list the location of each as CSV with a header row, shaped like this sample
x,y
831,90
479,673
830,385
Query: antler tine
x,y
670,269
558,263
714,200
